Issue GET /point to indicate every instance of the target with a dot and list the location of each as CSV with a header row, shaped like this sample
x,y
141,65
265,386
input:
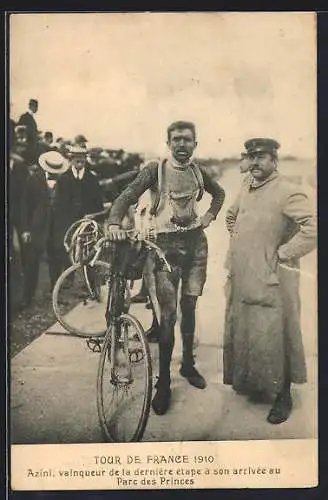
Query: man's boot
x,y
282,407
188,369
162,398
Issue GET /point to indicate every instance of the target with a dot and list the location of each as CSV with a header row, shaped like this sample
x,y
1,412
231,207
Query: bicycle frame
x,y
117,287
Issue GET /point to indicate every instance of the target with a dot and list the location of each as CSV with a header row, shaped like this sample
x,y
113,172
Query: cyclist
x,y
180,234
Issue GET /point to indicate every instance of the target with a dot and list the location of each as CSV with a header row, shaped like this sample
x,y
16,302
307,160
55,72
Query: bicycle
x,y
124,377
81,285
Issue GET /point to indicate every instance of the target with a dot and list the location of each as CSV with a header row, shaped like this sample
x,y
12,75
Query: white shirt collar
x,y
78,174
51,182
179,165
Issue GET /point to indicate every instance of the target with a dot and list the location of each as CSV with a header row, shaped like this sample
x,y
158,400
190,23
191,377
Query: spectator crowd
x,y
52,183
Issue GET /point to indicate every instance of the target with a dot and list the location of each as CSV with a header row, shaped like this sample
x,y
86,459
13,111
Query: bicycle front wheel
x,y
124,381
79,299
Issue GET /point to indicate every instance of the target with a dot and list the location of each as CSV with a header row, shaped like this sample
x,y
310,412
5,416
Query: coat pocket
x,y
263,290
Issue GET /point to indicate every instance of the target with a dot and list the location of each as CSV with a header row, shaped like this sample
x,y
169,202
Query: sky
x,y
121,79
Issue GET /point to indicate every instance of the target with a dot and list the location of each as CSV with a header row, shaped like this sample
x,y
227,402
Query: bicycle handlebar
x,y
133,236
74,230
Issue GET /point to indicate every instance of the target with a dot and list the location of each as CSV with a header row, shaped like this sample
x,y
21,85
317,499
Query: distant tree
x,y
288,158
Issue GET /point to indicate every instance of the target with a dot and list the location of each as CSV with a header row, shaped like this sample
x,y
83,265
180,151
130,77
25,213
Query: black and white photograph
x,y
162,243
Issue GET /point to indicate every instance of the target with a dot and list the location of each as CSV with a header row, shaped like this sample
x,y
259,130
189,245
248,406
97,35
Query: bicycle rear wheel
x,y
124,381
79,299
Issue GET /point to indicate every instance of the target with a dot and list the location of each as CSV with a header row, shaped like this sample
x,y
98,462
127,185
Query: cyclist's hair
x,y
181,125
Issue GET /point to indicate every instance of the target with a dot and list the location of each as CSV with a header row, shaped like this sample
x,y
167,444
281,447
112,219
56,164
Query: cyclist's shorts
x,y
187,253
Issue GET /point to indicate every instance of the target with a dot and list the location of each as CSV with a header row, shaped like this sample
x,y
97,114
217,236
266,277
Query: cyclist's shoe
x,y
139,299
193,376
162,398
152,334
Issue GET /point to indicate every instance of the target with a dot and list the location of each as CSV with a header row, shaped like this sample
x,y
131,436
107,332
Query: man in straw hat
x,y
272,225
37,220
77,193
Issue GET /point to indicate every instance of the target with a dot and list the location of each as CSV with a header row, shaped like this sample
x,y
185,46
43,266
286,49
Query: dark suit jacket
x,y
35,209
73,199
32,135
16,182
31,127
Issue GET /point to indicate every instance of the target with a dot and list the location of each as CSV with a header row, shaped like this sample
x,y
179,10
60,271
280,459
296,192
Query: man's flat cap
x,y
261,145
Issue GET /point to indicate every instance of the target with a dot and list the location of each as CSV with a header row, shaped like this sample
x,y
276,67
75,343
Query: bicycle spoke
x,y
124,388
80,305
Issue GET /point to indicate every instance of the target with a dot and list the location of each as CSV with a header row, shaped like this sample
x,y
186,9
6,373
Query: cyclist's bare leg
x,y
188,310
166,289
188,314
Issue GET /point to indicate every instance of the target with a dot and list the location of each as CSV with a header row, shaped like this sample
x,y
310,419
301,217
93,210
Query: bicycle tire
x,y
61,313
110,428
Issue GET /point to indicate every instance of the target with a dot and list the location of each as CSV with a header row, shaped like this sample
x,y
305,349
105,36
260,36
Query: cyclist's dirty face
x,y
182,144
78,161
261,165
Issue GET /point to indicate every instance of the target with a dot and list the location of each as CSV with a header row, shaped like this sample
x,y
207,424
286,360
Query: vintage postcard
x,y
162,242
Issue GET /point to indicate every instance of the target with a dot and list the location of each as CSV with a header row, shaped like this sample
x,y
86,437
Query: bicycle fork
x,y
121,372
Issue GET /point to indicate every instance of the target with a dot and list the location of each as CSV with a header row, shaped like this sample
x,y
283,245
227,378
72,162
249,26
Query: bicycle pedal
x,y
136,355
94,345
120,380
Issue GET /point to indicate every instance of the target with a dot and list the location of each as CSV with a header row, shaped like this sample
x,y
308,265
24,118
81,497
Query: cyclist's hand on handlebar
x,y
115,233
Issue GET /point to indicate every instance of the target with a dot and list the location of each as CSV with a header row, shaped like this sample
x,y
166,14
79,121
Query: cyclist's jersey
x,y
181,188
178,199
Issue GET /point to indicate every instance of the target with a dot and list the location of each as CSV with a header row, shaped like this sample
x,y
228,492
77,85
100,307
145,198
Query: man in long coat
x,y
272,224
